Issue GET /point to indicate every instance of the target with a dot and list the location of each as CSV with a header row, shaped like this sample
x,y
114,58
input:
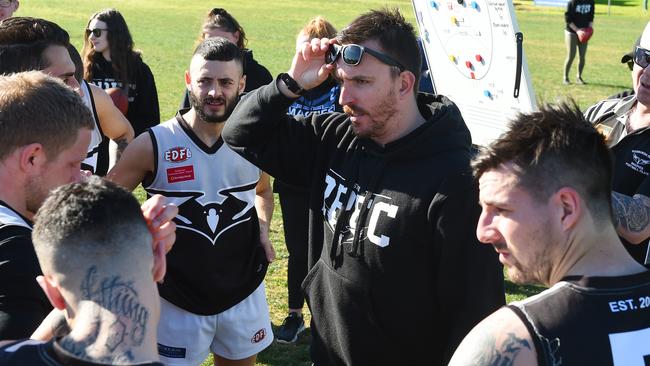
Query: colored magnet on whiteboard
x,y
452,58
468,64
454,20
487,93
472,76
474,5
479,58
434,5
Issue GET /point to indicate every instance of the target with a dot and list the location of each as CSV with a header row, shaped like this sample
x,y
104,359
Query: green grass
x,y
166,30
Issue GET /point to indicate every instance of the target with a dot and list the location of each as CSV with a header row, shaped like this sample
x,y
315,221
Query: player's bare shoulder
x,y
136,162
499,339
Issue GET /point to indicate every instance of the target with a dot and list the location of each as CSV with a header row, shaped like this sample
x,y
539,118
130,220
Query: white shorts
x,y
242,331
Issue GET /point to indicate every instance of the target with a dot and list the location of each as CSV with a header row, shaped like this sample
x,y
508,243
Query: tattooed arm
x,y
113,123
631,216
501,339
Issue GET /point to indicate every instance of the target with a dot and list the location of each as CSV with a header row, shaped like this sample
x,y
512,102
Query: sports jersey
x,y
97,158
217,259
590,321
631,156
22,303
37,353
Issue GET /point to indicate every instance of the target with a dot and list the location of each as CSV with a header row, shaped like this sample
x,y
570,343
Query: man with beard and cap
x,y
213,298
396,276
625,122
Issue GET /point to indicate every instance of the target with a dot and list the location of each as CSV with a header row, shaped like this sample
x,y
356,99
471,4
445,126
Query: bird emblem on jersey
x,y
211,219
639,160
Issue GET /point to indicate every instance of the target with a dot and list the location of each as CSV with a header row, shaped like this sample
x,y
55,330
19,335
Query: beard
x,y
540,255
378,120
35,194
212,117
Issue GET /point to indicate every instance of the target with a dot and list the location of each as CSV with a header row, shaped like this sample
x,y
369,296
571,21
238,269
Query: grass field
x,y
166,30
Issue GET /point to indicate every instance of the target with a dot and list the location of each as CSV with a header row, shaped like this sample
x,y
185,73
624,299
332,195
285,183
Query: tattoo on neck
x,y
125,327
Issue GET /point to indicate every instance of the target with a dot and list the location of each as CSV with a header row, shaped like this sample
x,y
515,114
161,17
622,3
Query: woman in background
x,y
295,200
579,19
111,63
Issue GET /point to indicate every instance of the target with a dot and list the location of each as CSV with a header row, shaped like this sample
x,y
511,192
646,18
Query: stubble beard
x,y
382,113
199,107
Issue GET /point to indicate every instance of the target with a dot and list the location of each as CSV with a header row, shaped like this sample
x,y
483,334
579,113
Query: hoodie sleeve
x,y
284,146
569,14
469,277
144,111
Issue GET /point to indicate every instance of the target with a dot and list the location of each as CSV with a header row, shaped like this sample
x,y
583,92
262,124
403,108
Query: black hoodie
x,y
397,275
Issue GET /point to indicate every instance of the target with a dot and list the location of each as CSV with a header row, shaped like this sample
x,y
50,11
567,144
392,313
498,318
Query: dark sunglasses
x,y
641,57
97,32
352,54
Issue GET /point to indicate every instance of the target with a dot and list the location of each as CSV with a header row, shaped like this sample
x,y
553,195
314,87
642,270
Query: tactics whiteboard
x,y
472,51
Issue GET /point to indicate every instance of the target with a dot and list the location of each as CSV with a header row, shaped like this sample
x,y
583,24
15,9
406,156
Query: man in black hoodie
x,y
396,274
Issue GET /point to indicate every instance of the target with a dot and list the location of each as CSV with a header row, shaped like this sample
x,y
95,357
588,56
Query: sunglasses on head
x,y
352,54
97,32
5,3
641,57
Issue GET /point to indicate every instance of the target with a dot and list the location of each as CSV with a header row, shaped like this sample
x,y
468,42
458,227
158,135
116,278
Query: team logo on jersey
x,y
211,219
639,161
259,336
177,154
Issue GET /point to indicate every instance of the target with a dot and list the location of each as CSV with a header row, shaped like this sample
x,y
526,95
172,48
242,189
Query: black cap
x,y
630,55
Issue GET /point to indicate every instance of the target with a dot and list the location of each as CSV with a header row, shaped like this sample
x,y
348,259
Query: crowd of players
x,y
386,191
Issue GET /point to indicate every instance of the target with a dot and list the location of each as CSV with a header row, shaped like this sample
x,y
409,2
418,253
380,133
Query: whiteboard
x,y
471,50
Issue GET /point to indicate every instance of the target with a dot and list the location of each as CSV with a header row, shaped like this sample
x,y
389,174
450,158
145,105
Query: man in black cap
x,y
628,59
625,122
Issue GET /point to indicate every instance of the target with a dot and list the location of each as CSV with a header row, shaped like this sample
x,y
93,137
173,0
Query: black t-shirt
x,y
23,305
36,353
590,321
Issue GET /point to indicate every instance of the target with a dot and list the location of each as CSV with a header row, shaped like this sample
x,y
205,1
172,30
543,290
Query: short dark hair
x,y
394,34
23,41
37,108
552,148
27,30
23,57
219,49
78,222
220,18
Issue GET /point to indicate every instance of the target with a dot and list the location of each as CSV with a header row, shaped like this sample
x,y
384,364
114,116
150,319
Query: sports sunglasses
x,y
352,54
641,57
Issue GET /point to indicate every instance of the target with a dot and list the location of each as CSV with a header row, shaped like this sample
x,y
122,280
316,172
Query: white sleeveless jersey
x,y
9,217
217,260
92,161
